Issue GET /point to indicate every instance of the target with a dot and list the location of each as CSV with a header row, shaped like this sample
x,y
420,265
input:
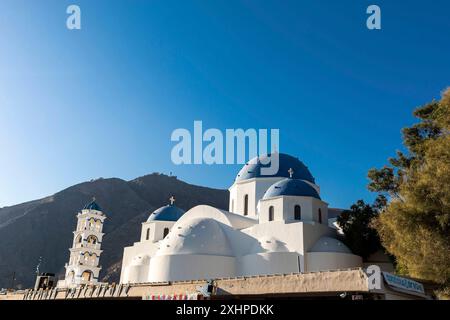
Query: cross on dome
x,y
172,200
291,172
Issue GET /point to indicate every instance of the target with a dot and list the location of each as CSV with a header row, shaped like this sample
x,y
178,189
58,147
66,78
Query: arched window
x,y
147,236
166,232
320,215
246,205
84,258
86,275
92,239
297,212
271,213
98,225
79,239
91,223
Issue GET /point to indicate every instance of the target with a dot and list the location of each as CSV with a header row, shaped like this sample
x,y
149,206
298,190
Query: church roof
x,y
92,206
252,169
328,244
291,187
200,236
166,213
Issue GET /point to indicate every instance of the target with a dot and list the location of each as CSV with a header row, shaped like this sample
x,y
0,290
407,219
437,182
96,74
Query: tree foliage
x,y
355,223
415,225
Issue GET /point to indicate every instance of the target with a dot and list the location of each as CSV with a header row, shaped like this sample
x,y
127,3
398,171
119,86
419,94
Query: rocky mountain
x,y
43,228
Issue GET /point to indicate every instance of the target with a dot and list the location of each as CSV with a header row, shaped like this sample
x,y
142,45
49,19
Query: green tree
x,y
415,225
355,223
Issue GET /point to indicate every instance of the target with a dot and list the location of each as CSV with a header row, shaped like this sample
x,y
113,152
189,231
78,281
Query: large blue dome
x,y
291,187
252,169
166,213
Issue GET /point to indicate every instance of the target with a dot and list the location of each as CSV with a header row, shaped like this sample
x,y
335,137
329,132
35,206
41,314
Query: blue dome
x,y
166,213
252,169
92,206
291,187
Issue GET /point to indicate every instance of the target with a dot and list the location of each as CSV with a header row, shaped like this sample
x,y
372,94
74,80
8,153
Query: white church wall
x,y
298,237
232,207
126,260
276,203
290,235
308,207
190,267
240,242
156,230
135,274
146,248
204,211
269,263
255,189
323,206
284,209
137,271
320,261
312,232
151,231
243,189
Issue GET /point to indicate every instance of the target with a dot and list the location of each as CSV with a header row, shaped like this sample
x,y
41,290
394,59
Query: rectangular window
x,y
246,205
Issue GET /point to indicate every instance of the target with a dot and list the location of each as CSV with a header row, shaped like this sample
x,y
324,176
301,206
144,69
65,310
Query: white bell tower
x,y
83,266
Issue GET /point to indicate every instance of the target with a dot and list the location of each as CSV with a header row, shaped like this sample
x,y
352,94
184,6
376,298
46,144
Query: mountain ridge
x,y
44,227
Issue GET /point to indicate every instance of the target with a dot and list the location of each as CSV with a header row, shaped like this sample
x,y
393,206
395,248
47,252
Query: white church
x,y
275,225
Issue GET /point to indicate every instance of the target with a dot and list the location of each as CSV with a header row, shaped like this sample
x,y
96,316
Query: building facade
x,y
274,225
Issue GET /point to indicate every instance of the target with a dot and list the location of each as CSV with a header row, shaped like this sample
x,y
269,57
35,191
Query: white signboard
x,y
403,283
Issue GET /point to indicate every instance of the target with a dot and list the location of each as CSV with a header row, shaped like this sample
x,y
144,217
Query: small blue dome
x,y
291,187
252,169
166,213
92,206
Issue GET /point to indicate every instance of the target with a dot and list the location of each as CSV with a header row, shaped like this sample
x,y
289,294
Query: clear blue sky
x,y
103,101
